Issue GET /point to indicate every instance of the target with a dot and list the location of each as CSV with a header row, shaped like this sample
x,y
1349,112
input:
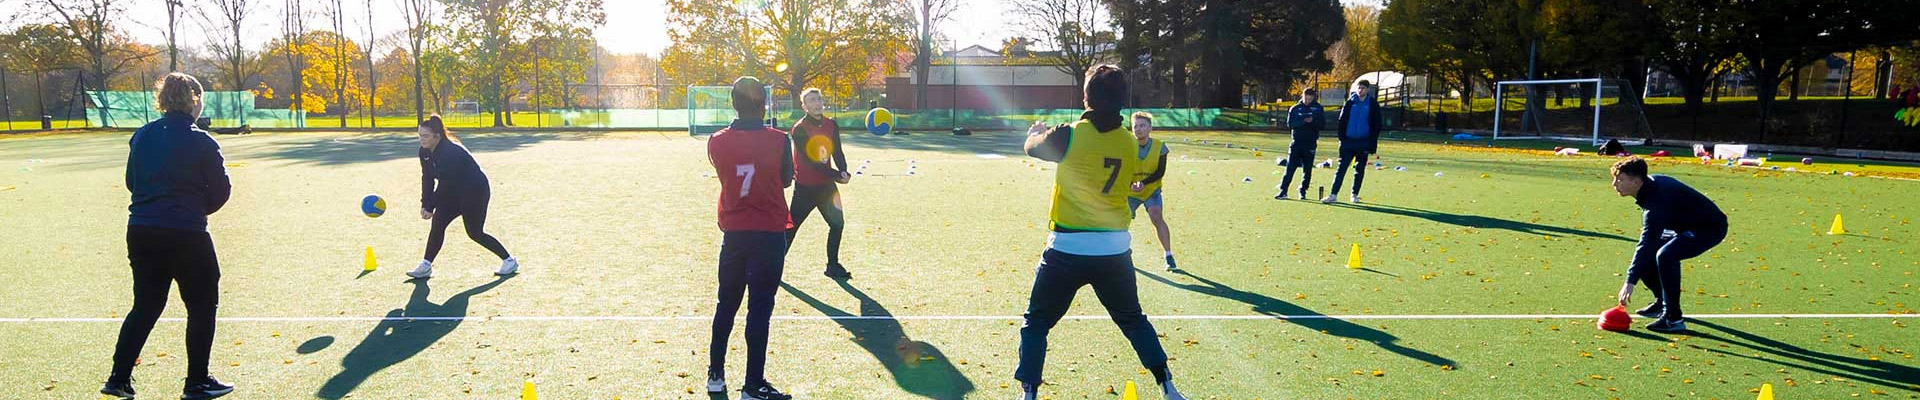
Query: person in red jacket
x,y
816,147
755,165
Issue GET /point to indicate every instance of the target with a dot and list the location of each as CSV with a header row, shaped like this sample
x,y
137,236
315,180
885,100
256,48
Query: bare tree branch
x,y
1078,30
226,19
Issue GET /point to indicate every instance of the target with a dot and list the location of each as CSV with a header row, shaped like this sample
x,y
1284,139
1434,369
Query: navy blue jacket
x,y
1671,206
459,176
1369,143
1306,135
176,175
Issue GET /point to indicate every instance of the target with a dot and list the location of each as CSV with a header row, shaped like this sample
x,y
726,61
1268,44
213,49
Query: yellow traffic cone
x,y
1838,228
1130,393
527,392
370,264
1353,257
1766,391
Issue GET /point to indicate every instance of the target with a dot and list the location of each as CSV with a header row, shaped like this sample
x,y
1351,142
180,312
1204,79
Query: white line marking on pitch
x,y
620,318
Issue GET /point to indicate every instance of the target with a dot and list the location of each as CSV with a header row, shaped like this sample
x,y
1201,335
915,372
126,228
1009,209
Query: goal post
x,y
1533,112
1592,109
710,108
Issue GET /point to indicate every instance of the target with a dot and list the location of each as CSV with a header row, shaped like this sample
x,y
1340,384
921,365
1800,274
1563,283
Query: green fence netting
x,y
124,109
935,119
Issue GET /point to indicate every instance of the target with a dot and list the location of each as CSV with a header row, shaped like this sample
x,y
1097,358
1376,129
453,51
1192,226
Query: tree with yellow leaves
x,y
320,70
830,44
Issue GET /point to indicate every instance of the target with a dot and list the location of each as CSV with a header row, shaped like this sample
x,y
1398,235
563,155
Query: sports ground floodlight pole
x,y
1840,139
6,102
953,89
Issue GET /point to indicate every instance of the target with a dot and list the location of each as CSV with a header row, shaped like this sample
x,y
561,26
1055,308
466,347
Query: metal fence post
x,y
6,103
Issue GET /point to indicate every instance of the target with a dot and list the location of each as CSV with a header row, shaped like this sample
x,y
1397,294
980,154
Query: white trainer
x,y
716,385
1166,389
509,267
424,271
1028,392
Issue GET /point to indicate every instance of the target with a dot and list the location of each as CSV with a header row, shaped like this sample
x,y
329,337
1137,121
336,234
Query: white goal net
x,y
1593,110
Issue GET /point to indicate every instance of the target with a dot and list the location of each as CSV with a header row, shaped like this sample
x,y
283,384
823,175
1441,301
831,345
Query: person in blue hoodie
x,y
177,178
1359,128
1304,119
1679,224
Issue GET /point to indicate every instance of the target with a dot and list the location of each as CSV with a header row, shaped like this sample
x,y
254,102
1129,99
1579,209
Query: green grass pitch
x,y
616,230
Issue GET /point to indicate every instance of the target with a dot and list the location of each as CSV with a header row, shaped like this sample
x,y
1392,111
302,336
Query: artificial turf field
x,y
1474,287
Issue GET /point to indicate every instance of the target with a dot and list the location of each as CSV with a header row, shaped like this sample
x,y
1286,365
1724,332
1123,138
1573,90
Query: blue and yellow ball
x,y
880,121
373,206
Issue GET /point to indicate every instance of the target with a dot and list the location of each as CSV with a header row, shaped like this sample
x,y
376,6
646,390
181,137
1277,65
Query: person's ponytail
x,y
437,126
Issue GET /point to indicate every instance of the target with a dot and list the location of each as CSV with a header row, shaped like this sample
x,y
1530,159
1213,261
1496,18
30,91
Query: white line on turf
x,y
621,318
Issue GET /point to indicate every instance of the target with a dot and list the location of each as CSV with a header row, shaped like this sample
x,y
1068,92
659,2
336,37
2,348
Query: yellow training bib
x,y
1149,163
1090,188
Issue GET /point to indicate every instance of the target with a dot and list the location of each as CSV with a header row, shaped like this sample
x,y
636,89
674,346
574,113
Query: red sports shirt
x,y
754,166
810,172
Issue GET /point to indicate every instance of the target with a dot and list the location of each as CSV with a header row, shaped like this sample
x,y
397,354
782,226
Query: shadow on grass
x,y
1480,222
1301,316
1644,335
918,367
1760,348
392,341
1379,272
368,148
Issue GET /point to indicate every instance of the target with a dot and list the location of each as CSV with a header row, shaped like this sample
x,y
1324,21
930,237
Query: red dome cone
x,y
1615,319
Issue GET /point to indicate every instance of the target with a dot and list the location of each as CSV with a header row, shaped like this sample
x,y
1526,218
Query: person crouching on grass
x,y
1680,223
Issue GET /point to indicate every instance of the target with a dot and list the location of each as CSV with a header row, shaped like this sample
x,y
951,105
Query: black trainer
x,y
204,388
835,271
1171,267
1651,310
761,391
118,388
1668,326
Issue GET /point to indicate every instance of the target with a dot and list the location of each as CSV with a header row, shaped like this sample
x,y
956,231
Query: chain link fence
x,y
1824,116
37,100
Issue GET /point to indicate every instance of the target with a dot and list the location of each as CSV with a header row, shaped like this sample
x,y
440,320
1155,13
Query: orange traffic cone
x,y
1615,320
